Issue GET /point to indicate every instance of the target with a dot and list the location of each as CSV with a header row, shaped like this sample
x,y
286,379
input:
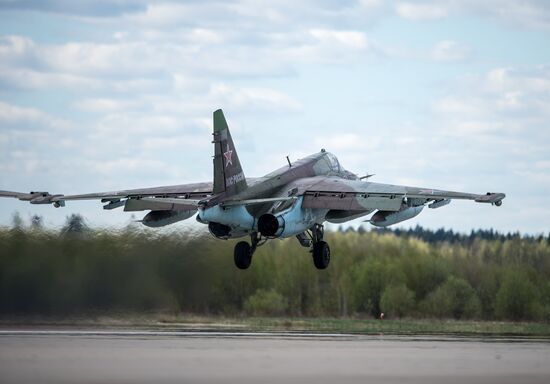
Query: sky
x,y
112,94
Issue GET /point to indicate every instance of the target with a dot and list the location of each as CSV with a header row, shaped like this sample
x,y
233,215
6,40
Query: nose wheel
x,y
321,255
320,249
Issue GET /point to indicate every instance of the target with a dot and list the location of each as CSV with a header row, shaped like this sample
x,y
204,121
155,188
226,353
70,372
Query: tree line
x,y
79,270
448,235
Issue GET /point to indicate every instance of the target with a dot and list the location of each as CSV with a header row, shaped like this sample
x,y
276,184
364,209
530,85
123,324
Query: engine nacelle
x,y
293,221
155,219
270,225
236,218
387,218
221,231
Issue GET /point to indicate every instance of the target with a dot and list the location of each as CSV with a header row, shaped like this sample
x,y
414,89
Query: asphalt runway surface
x,y
130,356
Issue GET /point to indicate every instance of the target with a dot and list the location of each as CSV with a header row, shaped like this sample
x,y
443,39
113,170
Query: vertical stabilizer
x,y
228,174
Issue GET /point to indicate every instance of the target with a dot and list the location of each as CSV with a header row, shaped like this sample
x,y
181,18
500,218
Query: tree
x,y
74,224
36,222
265,303
368,286
454,298
397,300
17,222
516,298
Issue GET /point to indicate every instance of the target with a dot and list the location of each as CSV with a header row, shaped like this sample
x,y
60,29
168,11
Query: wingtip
x,y
491,197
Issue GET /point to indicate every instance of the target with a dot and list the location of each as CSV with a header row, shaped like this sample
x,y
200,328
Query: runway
x,y
157,356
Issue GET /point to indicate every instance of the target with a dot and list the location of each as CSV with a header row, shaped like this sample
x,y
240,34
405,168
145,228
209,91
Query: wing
x,y
355,195
184,196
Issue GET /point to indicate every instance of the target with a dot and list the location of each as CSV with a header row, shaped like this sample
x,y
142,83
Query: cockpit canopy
x,y
336,168
333,162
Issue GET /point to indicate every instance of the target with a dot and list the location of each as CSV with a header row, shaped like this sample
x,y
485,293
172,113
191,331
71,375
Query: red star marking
x,y
228,156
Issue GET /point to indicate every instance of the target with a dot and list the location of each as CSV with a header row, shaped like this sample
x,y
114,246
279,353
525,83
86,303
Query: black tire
x,y
321,255
242,255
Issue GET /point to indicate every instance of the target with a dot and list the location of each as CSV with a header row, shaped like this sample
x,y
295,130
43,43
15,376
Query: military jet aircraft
x,y
294,200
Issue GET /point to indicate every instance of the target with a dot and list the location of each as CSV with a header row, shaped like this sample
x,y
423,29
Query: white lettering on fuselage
x,y
232,180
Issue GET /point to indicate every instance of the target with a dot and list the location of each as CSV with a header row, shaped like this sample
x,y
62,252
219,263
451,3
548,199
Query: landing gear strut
x,y
244,251
320,249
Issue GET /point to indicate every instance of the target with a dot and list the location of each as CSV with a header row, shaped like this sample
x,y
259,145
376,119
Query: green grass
x,y
406,326
321,325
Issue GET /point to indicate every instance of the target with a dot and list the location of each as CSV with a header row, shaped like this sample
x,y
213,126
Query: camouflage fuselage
x,y
286,181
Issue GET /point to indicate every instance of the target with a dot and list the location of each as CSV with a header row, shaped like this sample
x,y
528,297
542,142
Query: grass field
x,y
322,325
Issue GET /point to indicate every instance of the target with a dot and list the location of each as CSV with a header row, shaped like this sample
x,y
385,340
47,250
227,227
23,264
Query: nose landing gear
x,y
320,249
321,255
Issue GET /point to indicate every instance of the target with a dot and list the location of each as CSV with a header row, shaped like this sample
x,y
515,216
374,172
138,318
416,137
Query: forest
x,y
417,273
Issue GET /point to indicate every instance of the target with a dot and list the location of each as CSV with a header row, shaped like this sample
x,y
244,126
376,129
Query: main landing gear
x,y
243,251
313,239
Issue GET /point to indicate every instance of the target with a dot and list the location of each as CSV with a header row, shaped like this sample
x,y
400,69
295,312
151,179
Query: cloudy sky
x,y
104,95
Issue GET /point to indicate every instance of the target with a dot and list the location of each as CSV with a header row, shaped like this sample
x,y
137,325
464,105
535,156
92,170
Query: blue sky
x,y
106,95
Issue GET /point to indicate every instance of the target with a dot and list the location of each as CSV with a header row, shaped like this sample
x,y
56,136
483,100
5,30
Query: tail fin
x,y
228,174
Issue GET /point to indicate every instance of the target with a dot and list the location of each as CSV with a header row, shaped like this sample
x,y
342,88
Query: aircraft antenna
x,y
289,163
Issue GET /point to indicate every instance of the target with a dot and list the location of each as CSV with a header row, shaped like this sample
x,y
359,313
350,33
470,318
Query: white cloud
x,y
453,104
510,101
531,14
347,142
13,47
177,141
91,8
163,14
123,124
447,51
535,80
502,103
352,39
421,11
106,105
259,15
16,117
527,14
127,66
252,98
544,164
264,15
126,165
32,79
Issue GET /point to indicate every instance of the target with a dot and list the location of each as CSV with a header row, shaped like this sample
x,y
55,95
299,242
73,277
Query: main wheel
x,y
321,255
242,255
